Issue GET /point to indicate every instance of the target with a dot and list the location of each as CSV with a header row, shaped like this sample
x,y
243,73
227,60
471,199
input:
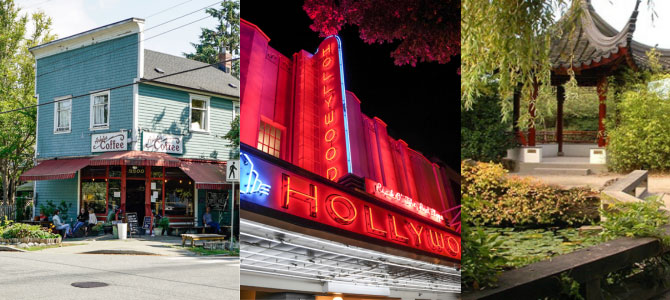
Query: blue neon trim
x,y
350,168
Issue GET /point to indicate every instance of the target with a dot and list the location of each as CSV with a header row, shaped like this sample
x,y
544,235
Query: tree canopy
x,y
426,30
224,38
17,90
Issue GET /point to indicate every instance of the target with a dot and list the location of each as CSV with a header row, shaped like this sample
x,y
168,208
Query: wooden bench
x,y
201,237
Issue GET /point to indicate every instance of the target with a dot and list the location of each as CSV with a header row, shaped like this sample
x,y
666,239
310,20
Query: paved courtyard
x,y
167,273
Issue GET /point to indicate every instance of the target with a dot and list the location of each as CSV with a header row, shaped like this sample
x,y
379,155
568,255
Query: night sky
x,y
420,105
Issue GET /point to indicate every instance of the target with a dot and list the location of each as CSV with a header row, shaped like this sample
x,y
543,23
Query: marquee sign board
x,y
274,187
159,142
108,142
400,200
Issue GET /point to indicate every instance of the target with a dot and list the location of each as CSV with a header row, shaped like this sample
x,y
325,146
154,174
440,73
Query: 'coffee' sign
x,y
107,142
158,142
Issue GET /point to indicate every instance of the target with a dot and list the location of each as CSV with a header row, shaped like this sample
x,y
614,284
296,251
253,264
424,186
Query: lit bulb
x,y
337,298
94,179
165,180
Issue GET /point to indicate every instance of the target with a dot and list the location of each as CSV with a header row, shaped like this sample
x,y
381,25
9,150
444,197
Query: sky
x,y
617,13
420,105
70,17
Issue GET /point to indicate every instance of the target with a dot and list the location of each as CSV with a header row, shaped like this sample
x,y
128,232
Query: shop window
x,y
63,114
157,196
94,171
115,171
135,172
114,194
269,139
100,110
156,172
199,113
93,194
179,193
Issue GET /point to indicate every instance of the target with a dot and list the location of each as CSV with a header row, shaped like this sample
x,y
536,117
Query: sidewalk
x,y
158,245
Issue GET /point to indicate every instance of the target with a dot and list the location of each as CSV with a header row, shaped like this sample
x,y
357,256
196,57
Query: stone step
x,y
530,167
562,171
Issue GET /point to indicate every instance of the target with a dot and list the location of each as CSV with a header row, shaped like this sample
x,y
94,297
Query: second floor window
x,y
269,139
199,113
63,115
100,110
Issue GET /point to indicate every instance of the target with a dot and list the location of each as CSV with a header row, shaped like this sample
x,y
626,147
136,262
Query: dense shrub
x,y
494,199
20,230
635,219
484,136
480,265
640,139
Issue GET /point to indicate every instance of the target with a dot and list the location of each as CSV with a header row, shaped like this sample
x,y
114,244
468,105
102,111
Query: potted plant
x,y
107,227
164,223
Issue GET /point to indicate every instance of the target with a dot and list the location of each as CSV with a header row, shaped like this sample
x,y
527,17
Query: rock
x,y
31,244
42,244
22,245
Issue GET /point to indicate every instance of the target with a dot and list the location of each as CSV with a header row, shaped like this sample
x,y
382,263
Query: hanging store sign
x,y
159,142
268,185
398,199
107,142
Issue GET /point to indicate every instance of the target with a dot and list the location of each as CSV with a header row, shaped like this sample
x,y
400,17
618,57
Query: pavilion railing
x,y
569,136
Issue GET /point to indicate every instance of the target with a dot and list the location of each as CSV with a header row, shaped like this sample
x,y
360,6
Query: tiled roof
x,y
210,79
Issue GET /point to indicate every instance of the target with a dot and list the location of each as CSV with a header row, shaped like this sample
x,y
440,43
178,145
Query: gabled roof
x,y
594,43
210,79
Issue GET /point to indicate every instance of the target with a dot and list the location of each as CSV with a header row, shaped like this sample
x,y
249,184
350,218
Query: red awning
x,y
55,169
135,158
207,176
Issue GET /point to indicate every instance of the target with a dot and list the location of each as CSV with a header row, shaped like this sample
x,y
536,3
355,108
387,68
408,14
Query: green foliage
x,y
494,199
21,230
635,219
164,223
522,247
234,135
50,207
224,38
480,265
569,287
97,227
639,135
484,135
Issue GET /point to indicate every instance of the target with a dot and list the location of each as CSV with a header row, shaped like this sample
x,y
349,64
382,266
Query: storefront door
x,y
136,197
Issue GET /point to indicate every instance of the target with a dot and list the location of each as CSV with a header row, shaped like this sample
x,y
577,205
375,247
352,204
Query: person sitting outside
x,y
82,218
92,220
42,217
207,220
60,225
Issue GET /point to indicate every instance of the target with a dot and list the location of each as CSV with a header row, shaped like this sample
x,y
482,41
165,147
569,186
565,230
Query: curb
x,y
11,249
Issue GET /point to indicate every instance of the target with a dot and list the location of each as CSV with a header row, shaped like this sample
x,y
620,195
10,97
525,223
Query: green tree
x,y
17,90
224,38
234,136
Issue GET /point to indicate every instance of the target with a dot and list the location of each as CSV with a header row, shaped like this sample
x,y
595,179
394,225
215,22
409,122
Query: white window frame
x,y
208,112
91,113
57,101
235,108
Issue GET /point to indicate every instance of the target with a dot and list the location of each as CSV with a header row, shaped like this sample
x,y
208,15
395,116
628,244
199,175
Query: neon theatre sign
x,y
398,199
331,95
316,201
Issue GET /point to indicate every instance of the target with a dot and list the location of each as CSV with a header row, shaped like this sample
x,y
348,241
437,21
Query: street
x,y
45,275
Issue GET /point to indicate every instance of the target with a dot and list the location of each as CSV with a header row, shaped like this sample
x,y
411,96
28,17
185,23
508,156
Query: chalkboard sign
x,y
147,223
132,222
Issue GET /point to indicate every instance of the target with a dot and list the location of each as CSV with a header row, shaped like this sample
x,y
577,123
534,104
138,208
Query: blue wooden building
x,y
126,127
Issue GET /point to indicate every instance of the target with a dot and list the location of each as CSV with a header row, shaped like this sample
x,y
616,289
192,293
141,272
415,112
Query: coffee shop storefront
x,y
144,182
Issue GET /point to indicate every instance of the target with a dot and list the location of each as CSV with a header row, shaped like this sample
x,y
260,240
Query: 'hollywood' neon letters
x,y
378,222
329,97
401,200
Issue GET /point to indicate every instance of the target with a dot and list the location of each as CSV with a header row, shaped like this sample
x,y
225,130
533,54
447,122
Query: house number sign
x,y
107,142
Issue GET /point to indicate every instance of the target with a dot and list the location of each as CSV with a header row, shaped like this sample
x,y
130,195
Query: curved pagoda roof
x,y
594,48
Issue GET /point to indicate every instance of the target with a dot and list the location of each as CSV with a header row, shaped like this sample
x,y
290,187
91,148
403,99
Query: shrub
x,y
484,135
635,219
480,265
639,140
20,230
494,199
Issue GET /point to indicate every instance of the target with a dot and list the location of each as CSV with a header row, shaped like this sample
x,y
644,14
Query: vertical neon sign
x,y
332,96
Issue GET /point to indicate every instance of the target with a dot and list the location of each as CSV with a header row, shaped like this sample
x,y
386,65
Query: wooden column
x,y
560,98
602,96
531,110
